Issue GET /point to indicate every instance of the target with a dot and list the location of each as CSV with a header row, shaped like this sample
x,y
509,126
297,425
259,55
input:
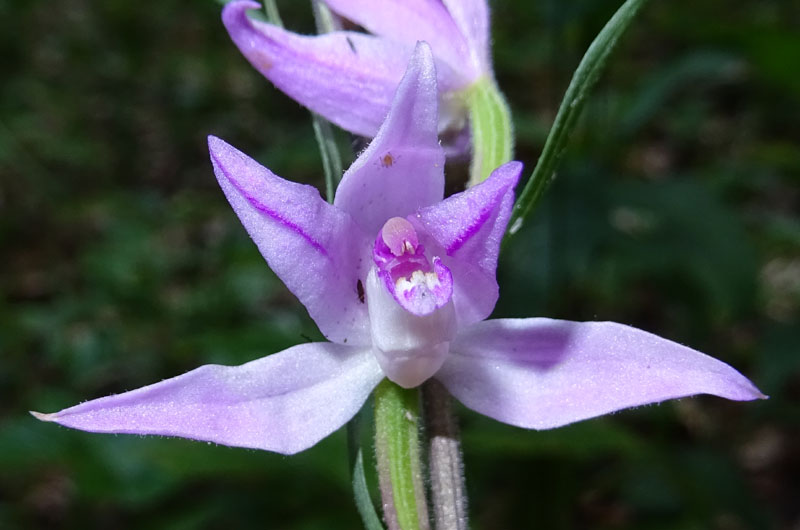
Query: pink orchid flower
x,y
400,280
349,77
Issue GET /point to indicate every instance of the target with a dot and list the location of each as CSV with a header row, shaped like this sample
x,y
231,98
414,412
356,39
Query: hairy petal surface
x,y
349,78
540,373
315,249
469,227
284,402
409,21
402,170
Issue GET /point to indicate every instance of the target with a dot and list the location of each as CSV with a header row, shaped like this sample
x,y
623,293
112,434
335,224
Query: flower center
x,y
419,286
409,299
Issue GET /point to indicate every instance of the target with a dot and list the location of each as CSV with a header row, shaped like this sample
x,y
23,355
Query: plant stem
x,y
331,160
448,491
490,123
397,451
271,11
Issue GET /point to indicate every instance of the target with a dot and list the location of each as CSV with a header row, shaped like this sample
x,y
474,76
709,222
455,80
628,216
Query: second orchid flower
x,y
350,78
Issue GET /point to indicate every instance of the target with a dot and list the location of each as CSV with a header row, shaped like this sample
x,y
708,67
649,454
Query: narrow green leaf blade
x,y
364,505
584,79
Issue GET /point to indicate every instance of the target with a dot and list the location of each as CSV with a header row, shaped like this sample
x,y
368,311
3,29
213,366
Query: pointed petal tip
x,y
41,416
222,155
423,58
215,143
423,49
509,171
542,373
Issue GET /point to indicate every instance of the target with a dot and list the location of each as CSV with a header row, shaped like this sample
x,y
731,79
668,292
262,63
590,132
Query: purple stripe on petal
x,y
469,226
456,220
274,214
316,249
470,230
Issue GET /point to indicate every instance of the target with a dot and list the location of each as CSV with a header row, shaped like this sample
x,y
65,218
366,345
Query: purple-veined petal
x,y
349,78
316,250
409,21
469,227
540,373
472,19
284,402
402,169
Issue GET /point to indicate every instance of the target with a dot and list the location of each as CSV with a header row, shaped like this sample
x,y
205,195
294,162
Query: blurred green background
x,y
676,211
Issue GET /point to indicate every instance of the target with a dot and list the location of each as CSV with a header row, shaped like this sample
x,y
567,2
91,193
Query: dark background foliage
x,y
676,211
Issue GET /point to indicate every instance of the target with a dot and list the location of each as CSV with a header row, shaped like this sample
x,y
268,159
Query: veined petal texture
x,y
469,227
540,373
316,250
284,402
402,170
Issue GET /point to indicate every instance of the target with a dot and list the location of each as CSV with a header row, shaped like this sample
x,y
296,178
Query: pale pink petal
x,y
472,19
540,373
402,170
318,251
409,21
349,78
469,227
284,402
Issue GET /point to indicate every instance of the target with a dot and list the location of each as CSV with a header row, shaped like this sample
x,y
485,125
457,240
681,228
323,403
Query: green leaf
x,y
490,121
363,499
584,79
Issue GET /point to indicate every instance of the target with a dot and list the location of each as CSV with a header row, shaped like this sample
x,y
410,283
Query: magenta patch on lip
x,y
419,286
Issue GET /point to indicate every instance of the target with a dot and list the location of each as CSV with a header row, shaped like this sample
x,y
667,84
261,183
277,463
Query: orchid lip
x,y
419,285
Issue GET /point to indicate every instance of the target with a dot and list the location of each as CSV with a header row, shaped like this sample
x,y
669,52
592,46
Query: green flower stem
x,y
448,490
325,20
583,80
492,135
323,132
271,12
331,160
397,451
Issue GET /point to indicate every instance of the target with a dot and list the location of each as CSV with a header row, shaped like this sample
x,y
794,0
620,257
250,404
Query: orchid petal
x,y
402,170
469,227
409,21
315,249
349,78
472,19
540,373
284,402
